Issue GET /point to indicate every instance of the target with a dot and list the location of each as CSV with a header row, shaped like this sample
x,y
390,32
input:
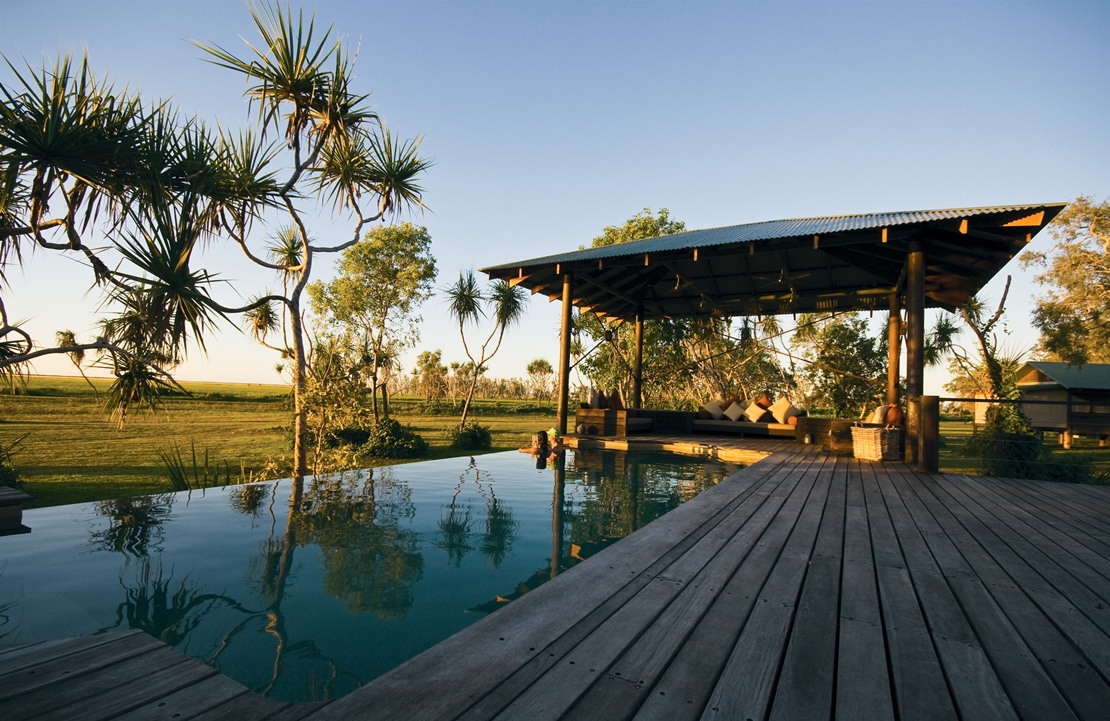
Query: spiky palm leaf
x,y
174,297
464,299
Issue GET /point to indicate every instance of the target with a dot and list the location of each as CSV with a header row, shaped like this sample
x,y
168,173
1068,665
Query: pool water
x,y
307,592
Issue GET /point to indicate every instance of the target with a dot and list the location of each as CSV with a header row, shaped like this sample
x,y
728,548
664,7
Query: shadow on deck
x,y
807,585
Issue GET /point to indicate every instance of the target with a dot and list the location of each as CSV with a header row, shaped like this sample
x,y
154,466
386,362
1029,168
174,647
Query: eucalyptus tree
x,y
381,283
1074,314
504,304
80,159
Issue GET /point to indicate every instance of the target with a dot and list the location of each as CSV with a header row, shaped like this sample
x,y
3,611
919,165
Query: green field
x,y
71,452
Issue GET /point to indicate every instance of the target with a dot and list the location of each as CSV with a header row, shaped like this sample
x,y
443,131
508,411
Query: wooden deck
x,y
807,586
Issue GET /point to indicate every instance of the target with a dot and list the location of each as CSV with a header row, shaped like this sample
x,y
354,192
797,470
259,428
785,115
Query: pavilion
x,y
911,261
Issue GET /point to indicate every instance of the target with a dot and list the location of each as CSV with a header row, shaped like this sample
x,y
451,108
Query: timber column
x,y
564,359
915,347
638,364
894,348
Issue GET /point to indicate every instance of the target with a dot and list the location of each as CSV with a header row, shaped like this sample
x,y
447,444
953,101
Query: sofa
x,y
744,428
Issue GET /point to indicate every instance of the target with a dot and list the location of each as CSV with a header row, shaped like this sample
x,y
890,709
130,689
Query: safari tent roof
x,y
1093,376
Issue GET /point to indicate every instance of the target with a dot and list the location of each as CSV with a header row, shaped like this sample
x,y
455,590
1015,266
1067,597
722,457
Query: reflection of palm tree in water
x,y
456,523
135,524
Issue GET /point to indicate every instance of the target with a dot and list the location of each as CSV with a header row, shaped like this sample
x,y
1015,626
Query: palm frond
x,y
464,299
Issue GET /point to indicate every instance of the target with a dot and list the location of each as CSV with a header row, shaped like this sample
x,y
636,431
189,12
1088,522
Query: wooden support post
x,y
564,359
928,443
638,364
915,346
894,348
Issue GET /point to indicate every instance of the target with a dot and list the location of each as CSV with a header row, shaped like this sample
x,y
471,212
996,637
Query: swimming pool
x,y
307,593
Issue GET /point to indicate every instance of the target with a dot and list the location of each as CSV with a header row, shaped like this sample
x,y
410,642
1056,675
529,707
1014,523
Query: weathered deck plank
x,y
808,585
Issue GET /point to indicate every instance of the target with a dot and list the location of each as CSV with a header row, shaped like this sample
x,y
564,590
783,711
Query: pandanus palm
x,y
468,305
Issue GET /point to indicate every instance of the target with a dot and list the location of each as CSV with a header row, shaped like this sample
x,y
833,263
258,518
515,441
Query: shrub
x,y
351,435
472,436
8,475
388,439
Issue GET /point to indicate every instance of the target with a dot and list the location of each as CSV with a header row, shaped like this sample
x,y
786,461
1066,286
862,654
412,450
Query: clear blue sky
x,y
550,120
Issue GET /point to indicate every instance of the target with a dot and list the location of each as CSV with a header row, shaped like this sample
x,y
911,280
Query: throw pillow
x,y
734,411
778,409
879,416
894,415
755,412
714,409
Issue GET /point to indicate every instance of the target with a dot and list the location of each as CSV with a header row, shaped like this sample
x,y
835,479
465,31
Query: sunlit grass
x,y
73,453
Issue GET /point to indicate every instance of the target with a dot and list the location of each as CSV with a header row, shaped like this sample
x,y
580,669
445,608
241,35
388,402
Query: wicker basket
x,y
876,443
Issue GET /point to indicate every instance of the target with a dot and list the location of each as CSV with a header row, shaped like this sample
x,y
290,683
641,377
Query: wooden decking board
x,y
1080,685
918,685
1066,541
87,658
684,688
746,687
190,701
808,585
808,676
132,683
862,674
16,658
1050,503
1030,687
1082,616
630,678
976,689
1009,580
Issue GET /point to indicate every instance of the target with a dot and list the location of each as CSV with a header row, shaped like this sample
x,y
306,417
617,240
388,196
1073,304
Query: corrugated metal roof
x,y
849,262
766,230
1093,376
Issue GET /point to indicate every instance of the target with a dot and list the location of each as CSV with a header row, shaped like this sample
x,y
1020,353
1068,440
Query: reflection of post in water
x,y
557,502
634,495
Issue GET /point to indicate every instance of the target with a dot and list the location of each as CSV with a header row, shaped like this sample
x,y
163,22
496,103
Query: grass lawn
x,y
71,452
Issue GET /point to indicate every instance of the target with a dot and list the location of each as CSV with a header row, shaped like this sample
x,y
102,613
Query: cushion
x,y
764,401
593,398
894,414
879,416
616,403
755,412
734,411
714,409
783,410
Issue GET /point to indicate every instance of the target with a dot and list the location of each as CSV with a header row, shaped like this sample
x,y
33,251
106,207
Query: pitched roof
x,y
1093,376
849,262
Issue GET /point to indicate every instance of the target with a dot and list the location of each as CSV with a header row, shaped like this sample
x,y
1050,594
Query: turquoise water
x,y
308,595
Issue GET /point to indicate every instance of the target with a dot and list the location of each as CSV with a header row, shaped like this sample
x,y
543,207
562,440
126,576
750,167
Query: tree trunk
x,y
466,403
300,370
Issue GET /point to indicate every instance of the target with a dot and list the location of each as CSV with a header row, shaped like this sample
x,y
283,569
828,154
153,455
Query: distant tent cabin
x,y
899,261
1069,400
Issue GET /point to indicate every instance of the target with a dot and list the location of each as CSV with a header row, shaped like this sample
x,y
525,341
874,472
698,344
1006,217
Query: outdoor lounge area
x,y
901,262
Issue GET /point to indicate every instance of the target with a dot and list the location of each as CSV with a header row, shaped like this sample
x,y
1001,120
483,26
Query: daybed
x,y
745,428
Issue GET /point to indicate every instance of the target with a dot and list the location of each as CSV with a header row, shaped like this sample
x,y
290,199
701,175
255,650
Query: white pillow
x,y
734,411
783,409
879,416
755,412
714,409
